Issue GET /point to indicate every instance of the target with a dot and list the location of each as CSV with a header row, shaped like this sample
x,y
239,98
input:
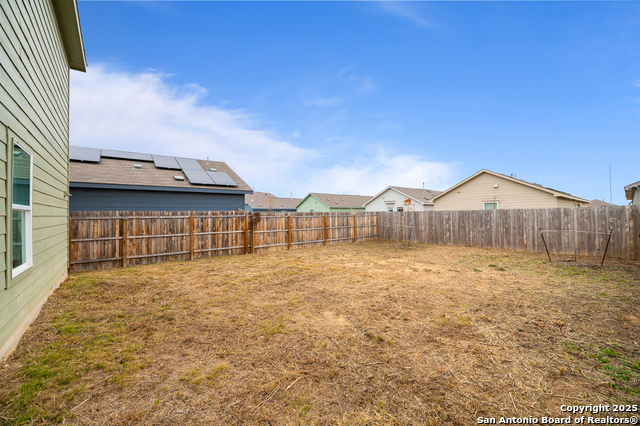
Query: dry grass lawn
x,y
369,333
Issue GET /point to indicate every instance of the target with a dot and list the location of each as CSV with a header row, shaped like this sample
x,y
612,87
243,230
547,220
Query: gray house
x,y
41,42
106,180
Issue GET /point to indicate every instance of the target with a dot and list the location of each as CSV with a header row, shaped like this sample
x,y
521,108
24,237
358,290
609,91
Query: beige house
x,y
487,190
632,192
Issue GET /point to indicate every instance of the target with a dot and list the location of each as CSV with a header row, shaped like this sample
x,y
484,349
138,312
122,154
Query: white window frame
x,y
28,215
484,205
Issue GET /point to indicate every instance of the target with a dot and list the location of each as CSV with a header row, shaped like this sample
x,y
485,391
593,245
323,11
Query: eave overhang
x,y
71,33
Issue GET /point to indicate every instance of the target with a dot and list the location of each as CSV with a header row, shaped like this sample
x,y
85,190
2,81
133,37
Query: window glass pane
x,y
19,238
21,172
490,206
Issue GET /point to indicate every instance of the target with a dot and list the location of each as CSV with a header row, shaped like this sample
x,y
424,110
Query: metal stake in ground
x,y
606,247
545,245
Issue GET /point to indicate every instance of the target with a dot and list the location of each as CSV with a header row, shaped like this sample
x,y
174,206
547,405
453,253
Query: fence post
x,y
246,234
190,237
324,222
70,228
124,230
355,227
289,230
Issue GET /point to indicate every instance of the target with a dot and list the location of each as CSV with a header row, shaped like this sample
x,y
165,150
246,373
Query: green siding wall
x,y
34,109
312,203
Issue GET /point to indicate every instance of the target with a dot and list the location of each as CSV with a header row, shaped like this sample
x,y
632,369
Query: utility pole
x,y
610,188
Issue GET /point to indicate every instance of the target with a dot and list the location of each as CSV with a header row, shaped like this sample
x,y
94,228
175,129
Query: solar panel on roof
x,y
221,178
198,177
165,162
189,164
125,155
80,153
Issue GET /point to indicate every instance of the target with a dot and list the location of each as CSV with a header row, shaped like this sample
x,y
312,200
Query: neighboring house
x,y
41,42
632,192
316,202
107,180
598,203
397,198
489,190
266,202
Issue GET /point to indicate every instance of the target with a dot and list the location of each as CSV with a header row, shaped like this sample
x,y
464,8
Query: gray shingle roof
x,y
121,172
342,201
424,195
598,203
266,200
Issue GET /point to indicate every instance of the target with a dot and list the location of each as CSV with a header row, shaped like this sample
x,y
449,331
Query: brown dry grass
x,y
372,333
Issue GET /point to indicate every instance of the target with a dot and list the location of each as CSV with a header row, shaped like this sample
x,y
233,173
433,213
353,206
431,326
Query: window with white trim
x,y
21,245
491,206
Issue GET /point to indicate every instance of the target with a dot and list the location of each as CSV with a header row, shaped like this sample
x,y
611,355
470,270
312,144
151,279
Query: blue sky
x,y
350,97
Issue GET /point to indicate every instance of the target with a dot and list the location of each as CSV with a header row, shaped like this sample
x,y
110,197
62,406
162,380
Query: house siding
x,y
312,203
97,199
510,195
379,203
34,109
568,202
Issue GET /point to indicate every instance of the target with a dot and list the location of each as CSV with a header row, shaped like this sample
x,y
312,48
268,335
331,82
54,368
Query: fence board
x,y
569,231
112,239
100,240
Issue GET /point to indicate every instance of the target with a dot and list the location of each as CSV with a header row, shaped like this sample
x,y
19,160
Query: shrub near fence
x,y
579,231
100,240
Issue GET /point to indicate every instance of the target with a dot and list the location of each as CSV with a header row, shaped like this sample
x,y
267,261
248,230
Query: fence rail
x,y
575,231
100,240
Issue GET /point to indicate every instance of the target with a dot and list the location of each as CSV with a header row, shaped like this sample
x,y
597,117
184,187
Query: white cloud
x,y
404,9
322,102
371,175
348,69
368,85
346,85
143,112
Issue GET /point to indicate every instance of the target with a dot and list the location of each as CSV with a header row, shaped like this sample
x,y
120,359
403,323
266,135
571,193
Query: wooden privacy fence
x,y
100,240
575,231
